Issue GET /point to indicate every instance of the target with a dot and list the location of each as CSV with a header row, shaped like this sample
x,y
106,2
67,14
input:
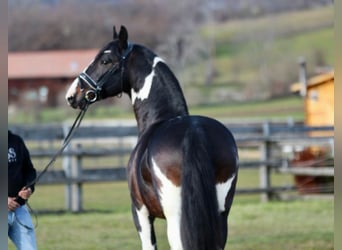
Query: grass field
x,y
107,222
275,109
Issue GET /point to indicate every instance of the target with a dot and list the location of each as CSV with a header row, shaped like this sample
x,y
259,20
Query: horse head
x,y
105,76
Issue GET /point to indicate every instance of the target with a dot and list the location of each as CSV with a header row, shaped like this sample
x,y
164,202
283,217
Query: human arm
x,y
21,173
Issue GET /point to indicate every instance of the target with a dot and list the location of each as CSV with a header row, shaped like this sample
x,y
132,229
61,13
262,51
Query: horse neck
x,y
164,101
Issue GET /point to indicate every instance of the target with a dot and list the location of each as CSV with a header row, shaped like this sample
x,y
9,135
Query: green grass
x,y
286,23
107,222
280,108
320,41
282,225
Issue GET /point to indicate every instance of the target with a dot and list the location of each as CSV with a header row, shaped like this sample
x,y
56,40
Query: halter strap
x,y
89,81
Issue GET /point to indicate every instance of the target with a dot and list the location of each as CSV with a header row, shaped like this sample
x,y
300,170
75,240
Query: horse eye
x,y
105,61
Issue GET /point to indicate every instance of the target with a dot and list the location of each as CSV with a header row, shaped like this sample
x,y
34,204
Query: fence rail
x,y
265,137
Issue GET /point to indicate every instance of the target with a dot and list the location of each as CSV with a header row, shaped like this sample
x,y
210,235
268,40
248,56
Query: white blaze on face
x,y
72,91
144,92
222,190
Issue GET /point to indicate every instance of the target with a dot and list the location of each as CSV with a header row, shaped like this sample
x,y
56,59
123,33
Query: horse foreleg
x,y
224,228
144,225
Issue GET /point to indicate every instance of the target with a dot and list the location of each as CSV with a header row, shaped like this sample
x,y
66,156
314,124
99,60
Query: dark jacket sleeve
x,y
29,171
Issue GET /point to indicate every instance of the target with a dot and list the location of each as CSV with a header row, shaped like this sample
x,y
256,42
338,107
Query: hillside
x,y
257,58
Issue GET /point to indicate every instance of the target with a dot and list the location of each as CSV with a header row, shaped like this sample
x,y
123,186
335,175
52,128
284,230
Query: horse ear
x,y
115,34
123,37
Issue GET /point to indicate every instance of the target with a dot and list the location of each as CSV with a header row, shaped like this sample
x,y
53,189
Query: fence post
x,y
76,185
67,163
265,170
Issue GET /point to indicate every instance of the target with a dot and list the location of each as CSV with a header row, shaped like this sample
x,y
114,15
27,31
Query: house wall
x,y
319,104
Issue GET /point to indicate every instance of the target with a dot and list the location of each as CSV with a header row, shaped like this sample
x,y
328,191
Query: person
x,y
21,173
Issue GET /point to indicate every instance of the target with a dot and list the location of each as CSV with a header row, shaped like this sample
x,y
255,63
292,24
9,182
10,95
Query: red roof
x,y
48,64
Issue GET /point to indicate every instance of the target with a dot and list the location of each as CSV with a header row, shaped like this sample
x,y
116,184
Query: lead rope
x,y
66,141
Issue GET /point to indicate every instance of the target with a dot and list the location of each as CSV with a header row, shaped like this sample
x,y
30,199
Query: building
x,y
319,99
43,76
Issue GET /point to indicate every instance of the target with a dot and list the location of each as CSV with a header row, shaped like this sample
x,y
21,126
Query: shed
x,y
319,99
43,76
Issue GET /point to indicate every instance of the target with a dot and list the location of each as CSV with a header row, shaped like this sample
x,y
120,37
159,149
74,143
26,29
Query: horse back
x,y
165,146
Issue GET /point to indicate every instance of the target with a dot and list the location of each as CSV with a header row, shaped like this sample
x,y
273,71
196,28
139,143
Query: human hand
x,y
12,204
25,193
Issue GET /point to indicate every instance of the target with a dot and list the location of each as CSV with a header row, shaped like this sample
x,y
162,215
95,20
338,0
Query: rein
x,y
96,86
66,141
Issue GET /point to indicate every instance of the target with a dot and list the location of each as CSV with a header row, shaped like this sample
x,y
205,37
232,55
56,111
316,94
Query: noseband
x,y
96,87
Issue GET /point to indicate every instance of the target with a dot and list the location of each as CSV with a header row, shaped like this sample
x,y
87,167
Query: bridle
x,y
93,93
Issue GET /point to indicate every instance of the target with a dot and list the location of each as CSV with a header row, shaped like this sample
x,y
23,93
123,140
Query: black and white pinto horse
x,y
183,168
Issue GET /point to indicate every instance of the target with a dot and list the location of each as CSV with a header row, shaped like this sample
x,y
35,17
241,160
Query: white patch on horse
x,y
170,199
108,51
145,233
73,87
144,92
222,190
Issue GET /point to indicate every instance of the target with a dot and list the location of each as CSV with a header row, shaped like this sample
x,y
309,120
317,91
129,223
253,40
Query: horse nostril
x,y
70,99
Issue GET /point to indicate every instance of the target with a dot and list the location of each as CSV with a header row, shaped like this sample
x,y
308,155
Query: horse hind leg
x,y
144,225
173,232
170,199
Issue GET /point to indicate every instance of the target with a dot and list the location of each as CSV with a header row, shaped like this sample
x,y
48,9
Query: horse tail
x,y
200,226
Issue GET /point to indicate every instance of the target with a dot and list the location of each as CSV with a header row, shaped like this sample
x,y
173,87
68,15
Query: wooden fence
x,y
268,139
